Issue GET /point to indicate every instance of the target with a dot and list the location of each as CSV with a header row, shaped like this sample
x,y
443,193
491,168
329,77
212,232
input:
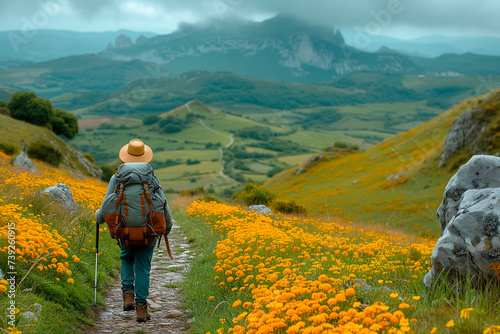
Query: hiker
x,y
135,259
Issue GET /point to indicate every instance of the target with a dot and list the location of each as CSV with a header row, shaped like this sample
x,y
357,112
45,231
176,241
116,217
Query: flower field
x,y
284,274
34,238
45,245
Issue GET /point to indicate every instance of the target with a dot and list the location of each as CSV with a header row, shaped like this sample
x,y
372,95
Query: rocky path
x,y
164,297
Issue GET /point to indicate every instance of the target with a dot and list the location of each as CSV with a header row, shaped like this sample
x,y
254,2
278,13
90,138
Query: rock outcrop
x,y
62,194
91,168
470,220
123,42
23,162
307,163
141,40
463,130
260,209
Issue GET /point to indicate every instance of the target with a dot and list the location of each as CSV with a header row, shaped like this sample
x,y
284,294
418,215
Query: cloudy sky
x,y
398,18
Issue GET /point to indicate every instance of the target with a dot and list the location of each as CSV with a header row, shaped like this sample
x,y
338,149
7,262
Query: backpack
x,y
135,212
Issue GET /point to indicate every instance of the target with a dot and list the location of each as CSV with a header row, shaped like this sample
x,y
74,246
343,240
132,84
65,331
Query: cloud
x,y
458,17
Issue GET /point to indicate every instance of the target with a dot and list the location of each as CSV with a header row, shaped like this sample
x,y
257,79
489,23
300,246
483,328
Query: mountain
x,y
281,48
400,181
43,45
427,46
411,47
458,65
483,45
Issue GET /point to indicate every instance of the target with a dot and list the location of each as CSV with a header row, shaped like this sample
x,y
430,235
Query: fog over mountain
x,y
396,18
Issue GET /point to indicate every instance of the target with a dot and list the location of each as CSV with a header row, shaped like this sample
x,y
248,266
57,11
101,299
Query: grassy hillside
x,y
396,182
19,132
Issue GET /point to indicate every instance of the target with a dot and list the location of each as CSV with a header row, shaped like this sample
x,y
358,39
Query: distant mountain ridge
x,y
52,44
426,46
281,48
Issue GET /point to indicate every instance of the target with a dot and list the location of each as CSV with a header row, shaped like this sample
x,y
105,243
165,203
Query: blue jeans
x,y
136,267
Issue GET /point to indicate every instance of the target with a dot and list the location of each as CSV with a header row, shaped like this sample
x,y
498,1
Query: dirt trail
x,y
231,141
164,297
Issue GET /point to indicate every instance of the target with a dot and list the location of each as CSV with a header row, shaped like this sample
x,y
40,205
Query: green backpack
x,y
135,212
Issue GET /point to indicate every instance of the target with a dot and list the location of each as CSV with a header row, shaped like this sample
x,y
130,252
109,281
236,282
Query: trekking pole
x,y
96,253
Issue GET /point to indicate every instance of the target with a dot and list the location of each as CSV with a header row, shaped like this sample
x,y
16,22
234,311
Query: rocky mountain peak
x,y
123,41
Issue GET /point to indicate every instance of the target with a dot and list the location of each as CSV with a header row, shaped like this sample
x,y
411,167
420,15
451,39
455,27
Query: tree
x,y
149,120
64,123
41,111
17,105
28,107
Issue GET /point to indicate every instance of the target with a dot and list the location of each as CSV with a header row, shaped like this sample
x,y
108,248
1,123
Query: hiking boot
x,y
142,312
128,300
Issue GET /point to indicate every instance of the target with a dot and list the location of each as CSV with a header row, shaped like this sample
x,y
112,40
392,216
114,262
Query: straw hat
x,y
136,151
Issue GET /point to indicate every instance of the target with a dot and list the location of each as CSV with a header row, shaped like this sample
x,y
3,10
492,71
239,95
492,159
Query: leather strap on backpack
x,y
168,247
149,201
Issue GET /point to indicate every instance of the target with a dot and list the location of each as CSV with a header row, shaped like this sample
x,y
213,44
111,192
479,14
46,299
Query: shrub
x,y
9,148
255,194
150,120
45,152
64,123
4,111
340,144
184,193
89,157
171,129
288,206
196,191
28,107
107,172
209,198
274,171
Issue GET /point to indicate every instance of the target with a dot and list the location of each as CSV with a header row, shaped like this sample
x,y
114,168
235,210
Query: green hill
x,y
79,73
20,132
396,182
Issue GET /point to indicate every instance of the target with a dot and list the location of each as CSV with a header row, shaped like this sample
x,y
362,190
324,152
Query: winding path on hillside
x,y
164,295
221,153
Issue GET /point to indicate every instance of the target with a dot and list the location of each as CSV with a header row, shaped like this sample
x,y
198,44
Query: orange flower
x,y
350,292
